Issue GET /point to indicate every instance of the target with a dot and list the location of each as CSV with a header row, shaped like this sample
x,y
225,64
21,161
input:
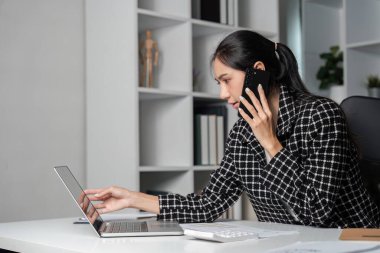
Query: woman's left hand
x,y
262,121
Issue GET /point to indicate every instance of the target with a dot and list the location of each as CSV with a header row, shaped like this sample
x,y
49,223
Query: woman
x,y
294,158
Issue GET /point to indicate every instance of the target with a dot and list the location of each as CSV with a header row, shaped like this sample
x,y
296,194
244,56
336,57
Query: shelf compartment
x,y
362,21
172,182
203,49
166,137
218,135
361,62
174,65
206,28
178,7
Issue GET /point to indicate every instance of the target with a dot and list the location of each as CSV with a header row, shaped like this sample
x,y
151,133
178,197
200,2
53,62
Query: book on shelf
x,y
223,12
196,9
235,11
201,154
212,143
219,138
231,12
210,10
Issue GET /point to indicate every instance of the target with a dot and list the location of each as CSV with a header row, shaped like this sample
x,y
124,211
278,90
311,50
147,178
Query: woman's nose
x,y
224,94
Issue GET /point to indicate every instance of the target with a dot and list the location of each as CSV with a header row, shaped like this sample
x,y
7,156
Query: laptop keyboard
x,y
123,227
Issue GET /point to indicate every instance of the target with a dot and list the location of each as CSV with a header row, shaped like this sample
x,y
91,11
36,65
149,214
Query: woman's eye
x,y
225,81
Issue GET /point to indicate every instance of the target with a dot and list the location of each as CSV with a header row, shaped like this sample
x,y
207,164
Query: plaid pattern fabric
x,y
314,180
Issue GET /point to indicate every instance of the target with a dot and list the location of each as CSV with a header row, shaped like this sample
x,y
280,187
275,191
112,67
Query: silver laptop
x,y
114,228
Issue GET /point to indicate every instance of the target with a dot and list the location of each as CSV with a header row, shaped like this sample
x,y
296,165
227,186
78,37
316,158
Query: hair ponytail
x,y
289,70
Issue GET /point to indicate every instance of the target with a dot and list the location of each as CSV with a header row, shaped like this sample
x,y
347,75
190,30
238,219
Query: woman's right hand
x,y
112,198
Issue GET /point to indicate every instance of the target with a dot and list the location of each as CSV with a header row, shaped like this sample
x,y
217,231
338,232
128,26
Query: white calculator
x,y
219,232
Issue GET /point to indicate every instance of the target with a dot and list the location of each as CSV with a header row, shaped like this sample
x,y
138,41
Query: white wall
x,y
112,153
42,105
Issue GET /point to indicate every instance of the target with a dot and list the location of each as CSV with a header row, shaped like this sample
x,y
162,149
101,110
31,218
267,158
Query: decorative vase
x,y
337,93
374,92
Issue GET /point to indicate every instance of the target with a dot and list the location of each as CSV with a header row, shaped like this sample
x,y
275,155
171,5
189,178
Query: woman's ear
x,y
259,65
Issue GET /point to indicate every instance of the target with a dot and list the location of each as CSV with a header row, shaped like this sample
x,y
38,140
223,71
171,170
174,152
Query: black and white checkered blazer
x,y
314,180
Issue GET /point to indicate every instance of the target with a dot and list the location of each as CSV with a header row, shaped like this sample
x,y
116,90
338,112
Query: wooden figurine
x,y
146,49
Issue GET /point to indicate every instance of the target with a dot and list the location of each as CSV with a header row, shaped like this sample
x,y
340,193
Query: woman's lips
x,y
235,105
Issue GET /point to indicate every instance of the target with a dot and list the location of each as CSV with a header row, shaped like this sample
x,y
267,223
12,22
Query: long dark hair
x,y
241,49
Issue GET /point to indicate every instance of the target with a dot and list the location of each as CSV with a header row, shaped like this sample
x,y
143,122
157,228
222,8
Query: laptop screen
x,y
79,196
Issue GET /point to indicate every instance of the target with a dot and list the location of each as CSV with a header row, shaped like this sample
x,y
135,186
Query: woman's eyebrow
x,y
219,77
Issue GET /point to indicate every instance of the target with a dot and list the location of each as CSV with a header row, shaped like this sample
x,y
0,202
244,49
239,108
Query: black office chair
x,y
363,118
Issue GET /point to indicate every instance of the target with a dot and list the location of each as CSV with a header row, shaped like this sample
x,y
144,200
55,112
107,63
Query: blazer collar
x,y
250,140
286,112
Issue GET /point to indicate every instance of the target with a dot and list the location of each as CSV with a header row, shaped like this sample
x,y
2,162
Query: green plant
x,y
332,70
373,81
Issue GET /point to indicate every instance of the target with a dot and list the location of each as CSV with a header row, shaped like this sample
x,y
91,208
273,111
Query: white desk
x,y
61,235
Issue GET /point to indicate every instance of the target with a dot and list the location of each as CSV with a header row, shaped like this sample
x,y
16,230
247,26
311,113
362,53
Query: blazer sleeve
x,y
222,191
310,186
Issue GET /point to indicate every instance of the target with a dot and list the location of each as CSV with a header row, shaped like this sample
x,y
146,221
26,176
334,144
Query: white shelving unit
x,y
160,119
351,24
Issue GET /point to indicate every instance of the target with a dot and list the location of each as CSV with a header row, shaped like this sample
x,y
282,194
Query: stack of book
x,y
220,11
209,134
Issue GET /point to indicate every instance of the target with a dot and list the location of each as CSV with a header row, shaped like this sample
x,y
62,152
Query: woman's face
x,y
231,82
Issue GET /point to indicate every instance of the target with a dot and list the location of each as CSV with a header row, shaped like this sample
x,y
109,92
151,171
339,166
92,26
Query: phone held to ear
x,y
254,77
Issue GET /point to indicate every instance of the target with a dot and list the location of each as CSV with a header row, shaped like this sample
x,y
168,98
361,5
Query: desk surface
x,y
61,235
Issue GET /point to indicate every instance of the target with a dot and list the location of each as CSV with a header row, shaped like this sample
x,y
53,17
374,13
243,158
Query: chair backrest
x,y
363,119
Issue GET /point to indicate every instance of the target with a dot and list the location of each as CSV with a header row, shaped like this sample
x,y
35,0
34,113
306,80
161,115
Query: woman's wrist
x,y
274,148
144,202
132,200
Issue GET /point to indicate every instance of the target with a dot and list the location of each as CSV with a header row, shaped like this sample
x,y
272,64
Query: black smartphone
x,y
254,77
